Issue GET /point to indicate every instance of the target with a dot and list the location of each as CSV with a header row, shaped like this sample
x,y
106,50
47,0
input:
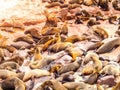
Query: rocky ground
x,y
60,45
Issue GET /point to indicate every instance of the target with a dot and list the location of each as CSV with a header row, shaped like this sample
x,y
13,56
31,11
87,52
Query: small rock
x,y
108,80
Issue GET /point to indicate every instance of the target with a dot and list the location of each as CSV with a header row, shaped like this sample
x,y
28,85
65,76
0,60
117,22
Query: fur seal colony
x,y
60,45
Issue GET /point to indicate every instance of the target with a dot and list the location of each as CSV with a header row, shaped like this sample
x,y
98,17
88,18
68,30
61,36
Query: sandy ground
x,y
20,11
20,8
